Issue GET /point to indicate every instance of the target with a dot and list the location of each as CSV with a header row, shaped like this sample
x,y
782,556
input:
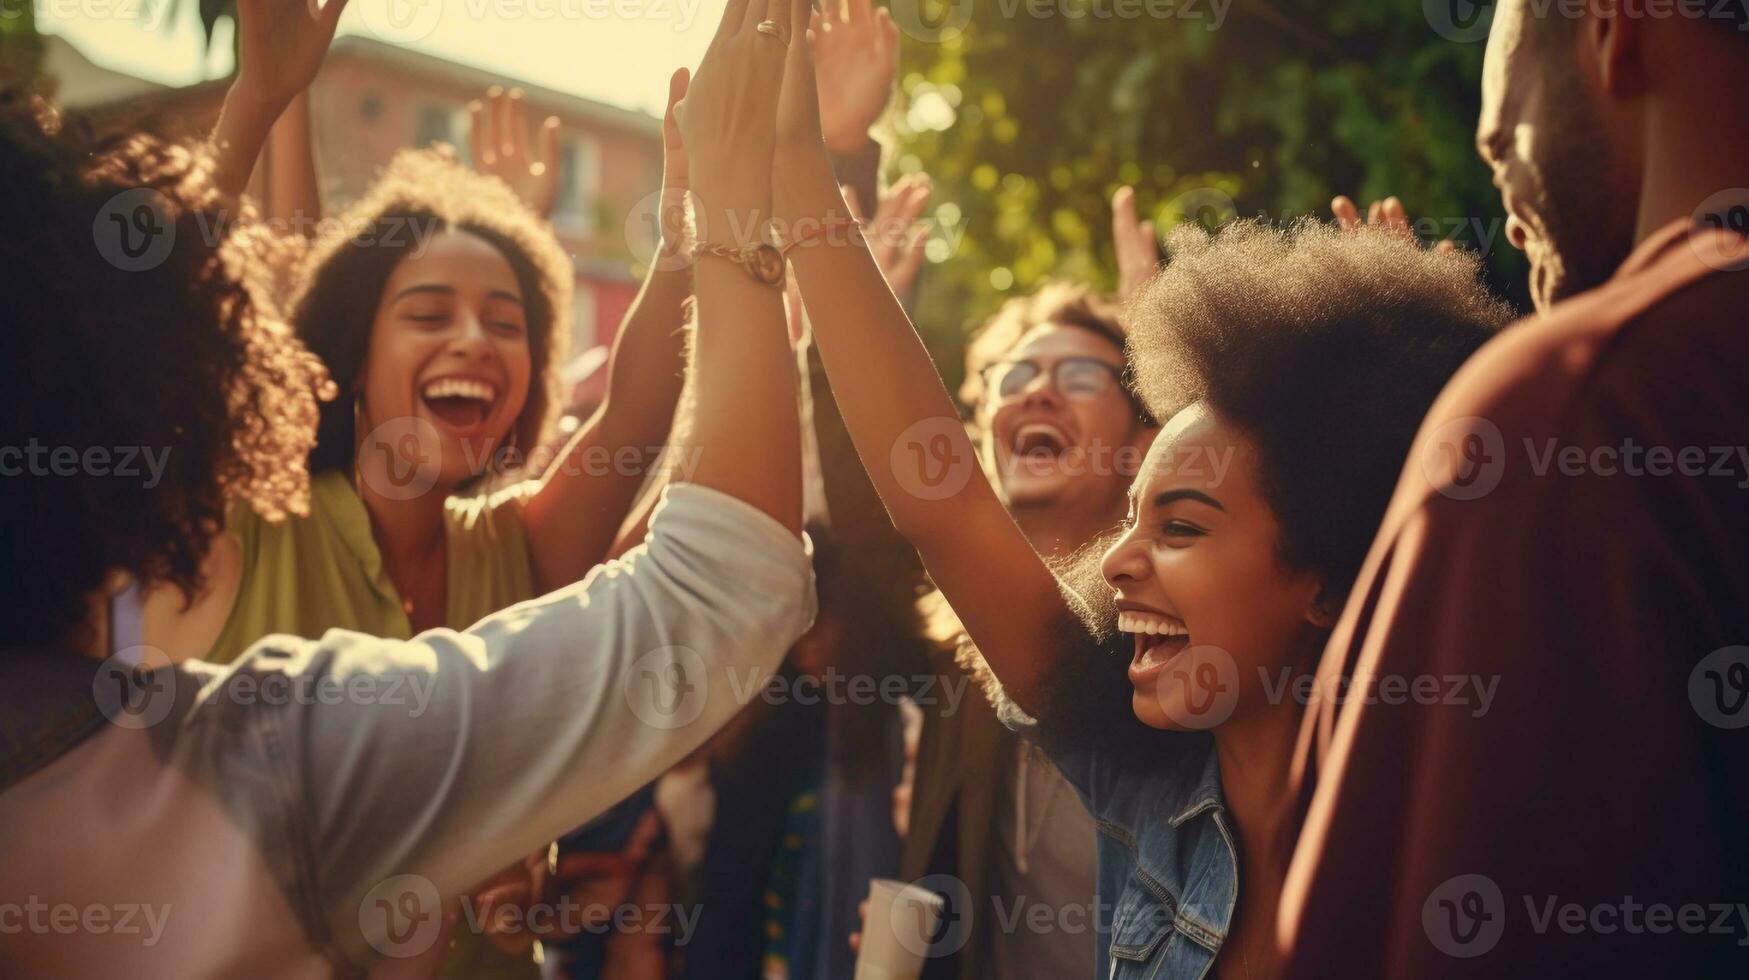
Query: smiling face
x,y
1198,578
1565,168
1061,436
450,347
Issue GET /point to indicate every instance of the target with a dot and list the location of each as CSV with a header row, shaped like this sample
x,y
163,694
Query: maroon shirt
x,y
1572,528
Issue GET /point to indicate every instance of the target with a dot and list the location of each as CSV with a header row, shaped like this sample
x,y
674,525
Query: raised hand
x,y
1138,250
280,45
894,236
728,119
501,149
1388,214
856,53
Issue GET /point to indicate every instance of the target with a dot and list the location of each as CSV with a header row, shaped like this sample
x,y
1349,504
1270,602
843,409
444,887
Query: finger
x,y
1375,212
1396,218
889,31
644,837
859,12
549,143
1150,241
1123,220
1446,246
856,942
505,125
800,57
477,137
677,84
816,26
594,865
915,198
518,125
909,263
776,11
1347,216
329,18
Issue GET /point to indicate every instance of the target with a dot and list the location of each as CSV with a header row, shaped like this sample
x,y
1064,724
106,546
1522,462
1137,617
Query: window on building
x,y
579,185
434,122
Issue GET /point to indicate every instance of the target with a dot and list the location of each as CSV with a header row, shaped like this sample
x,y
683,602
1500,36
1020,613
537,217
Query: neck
x,y
1255,753
407,532
1693,153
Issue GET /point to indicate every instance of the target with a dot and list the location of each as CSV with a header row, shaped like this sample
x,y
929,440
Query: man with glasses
x,y
1063,437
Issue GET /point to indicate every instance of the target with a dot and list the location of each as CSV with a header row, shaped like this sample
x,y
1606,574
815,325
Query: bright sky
x,y
618,51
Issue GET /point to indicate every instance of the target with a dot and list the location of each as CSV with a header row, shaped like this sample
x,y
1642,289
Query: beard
x,y
1589,199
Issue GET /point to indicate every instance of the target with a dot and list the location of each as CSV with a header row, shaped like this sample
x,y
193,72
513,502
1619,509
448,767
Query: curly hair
x,y
421,193
1327,348
123,353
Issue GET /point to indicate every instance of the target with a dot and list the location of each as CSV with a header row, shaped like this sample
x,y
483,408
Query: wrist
x,y
846,143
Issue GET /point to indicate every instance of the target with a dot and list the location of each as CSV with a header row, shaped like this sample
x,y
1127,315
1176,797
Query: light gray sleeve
x,y
428,764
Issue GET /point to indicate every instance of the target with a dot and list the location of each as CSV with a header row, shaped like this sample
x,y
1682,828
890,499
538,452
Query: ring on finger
x,y
770,28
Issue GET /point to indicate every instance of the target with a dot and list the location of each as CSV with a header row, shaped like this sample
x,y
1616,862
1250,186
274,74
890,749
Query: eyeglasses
x,y
1077,378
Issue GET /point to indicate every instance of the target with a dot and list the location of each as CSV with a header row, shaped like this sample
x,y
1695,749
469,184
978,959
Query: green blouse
x,y
307,575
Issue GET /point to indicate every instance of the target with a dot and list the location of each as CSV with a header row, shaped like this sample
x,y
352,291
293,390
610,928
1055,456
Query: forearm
x,y
294,191
581,503
745,432
244,122
918,455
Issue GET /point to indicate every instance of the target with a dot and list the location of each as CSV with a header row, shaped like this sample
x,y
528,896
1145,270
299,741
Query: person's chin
x,y
1024,488
1149,712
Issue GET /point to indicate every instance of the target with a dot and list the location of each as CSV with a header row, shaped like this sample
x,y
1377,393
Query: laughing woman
x,y
1294,367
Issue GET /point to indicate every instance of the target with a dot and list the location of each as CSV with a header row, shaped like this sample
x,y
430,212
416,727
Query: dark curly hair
x,y
131,328
1327,348
421,193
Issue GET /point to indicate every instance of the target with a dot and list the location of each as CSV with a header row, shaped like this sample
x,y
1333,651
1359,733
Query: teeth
x,y
460,388
1050,432
1133,622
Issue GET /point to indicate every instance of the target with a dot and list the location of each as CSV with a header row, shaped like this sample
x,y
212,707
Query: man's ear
x,y
1613,38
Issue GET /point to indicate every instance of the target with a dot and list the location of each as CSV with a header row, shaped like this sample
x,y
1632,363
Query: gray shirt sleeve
x,y
416,768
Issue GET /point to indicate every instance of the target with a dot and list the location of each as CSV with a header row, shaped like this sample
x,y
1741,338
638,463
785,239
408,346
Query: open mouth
x,y
1158,637
1039,442
460,403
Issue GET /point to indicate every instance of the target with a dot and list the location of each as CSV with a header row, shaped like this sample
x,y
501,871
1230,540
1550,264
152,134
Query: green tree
x,y
1030,116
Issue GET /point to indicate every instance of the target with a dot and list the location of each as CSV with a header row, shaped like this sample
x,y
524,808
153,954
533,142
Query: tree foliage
x,y
1031,116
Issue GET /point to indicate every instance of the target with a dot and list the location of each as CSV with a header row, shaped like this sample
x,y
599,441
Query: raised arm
x,y
581,503
904,423
281,44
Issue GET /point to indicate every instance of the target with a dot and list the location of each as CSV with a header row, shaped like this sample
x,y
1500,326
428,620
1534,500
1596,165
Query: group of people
x,y
1304,639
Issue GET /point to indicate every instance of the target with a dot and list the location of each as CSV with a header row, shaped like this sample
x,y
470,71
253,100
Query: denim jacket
x,y
1168,861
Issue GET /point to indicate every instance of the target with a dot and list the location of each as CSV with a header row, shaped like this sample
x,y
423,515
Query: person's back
x,y
1571,533
1610,599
